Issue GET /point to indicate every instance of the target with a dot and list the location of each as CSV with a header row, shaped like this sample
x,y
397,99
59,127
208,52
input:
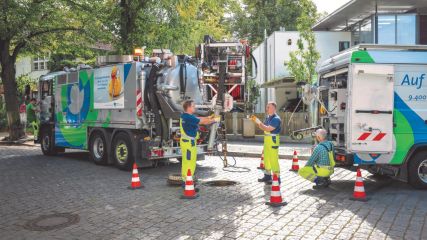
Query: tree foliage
x,y
36,26
178,25
303,61
252,17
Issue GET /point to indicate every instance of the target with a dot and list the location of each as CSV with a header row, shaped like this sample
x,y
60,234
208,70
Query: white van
x,y
373,102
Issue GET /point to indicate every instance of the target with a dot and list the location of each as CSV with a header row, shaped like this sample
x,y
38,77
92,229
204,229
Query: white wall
x,y
24,65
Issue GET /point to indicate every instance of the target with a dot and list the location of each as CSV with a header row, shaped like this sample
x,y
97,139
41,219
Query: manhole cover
x,y
220,183
52,221
175,179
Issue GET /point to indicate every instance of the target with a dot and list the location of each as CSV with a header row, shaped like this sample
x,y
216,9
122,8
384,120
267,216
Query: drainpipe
x,y
376,23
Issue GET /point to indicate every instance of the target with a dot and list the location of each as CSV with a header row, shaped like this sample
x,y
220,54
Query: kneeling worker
x,y
189,126
272,128
321,164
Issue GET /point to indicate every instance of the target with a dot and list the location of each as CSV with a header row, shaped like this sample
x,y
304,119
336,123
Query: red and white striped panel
x,y
139,103
369,136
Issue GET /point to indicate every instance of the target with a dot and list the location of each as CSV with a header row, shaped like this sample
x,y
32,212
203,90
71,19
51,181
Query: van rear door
x,y
371,101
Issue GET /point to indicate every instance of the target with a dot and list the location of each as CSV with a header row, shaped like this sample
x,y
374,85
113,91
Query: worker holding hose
x,y
189,125
272,128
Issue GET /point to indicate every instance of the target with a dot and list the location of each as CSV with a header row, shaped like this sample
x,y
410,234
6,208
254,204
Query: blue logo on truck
x,y
413,81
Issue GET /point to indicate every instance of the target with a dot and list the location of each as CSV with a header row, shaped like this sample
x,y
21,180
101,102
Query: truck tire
x,y
47,143
98,148
122,151
417,170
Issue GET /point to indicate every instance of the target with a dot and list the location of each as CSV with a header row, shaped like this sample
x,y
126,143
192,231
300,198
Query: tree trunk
x,y
16,130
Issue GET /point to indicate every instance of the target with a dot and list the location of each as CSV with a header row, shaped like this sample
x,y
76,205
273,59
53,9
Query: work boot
x,y
266,179
321,183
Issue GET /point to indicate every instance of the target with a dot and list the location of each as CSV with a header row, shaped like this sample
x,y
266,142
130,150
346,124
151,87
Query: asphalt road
x,y
93,202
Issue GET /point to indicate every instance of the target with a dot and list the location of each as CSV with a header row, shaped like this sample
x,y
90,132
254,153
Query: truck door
x,y
371,108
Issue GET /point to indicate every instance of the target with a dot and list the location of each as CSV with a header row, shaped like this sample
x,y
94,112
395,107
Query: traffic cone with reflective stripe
x,y
276,196
189,191
135,183
295,166
359,189
261,165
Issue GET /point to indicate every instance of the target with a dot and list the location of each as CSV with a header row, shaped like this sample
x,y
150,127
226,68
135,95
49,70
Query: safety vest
x,y
330,155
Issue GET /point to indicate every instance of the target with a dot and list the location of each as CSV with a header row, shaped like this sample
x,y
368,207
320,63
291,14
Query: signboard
x,y
109,88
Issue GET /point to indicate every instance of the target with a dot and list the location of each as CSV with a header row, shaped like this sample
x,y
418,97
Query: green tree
x,y
178,25
250,18
303,61
37,25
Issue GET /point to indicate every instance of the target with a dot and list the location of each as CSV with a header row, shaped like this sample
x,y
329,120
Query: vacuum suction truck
x,y
127,109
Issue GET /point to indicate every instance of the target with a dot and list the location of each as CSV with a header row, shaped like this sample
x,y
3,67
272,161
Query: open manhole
x,y
52,221
220,183
175,179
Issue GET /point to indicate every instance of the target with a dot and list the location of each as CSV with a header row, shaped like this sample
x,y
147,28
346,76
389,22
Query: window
x,y
387,29
366,34
397,29
405,28
343,45
40,63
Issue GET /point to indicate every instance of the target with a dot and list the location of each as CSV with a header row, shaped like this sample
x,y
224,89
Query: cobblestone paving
x,y
32,185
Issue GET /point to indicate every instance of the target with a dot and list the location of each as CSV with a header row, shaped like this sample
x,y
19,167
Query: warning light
x,y
138,52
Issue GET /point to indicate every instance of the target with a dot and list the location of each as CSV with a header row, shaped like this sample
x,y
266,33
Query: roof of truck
x,y
372,53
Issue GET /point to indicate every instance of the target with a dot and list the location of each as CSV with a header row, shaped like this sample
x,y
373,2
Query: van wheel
x,y
122,151
418,171
47,143
98,148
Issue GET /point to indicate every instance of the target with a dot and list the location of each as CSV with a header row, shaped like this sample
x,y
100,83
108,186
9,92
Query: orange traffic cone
x,y
276,196
359,189
189,191
295,166
261,165
135,183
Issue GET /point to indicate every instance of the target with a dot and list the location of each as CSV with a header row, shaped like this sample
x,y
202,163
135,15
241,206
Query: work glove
x,y
255,119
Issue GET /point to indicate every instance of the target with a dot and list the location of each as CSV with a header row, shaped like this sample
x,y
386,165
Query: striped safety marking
x,y
139,103
376,138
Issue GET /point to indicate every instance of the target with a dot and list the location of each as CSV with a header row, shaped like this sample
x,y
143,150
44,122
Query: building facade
x,y
402,22
380,22
272,57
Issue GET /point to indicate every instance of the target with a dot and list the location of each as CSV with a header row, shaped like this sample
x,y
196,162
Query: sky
x,y
329,5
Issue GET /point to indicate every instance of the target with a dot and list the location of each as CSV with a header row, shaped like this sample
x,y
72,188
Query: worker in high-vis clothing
x,y
321,164
189,126
271,128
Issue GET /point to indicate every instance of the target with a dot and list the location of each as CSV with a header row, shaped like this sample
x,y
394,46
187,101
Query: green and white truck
x,y
373,102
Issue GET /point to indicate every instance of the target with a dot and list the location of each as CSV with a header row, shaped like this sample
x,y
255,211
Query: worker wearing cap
x,y
321,164
272,128
189,126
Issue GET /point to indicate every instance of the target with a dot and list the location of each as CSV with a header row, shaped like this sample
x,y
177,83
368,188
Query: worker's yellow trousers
x,y
189,157
311,172
271,154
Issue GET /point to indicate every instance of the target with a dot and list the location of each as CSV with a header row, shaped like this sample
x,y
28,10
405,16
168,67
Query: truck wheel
x,y
47,143
418,171
122,151
98,148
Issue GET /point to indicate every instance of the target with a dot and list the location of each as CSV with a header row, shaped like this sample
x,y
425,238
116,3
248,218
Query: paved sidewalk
x,y
33,185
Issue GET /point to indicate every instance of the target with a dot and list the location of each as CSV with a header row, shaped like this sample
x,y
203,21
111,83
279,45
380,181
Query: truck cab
x,y
372,101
